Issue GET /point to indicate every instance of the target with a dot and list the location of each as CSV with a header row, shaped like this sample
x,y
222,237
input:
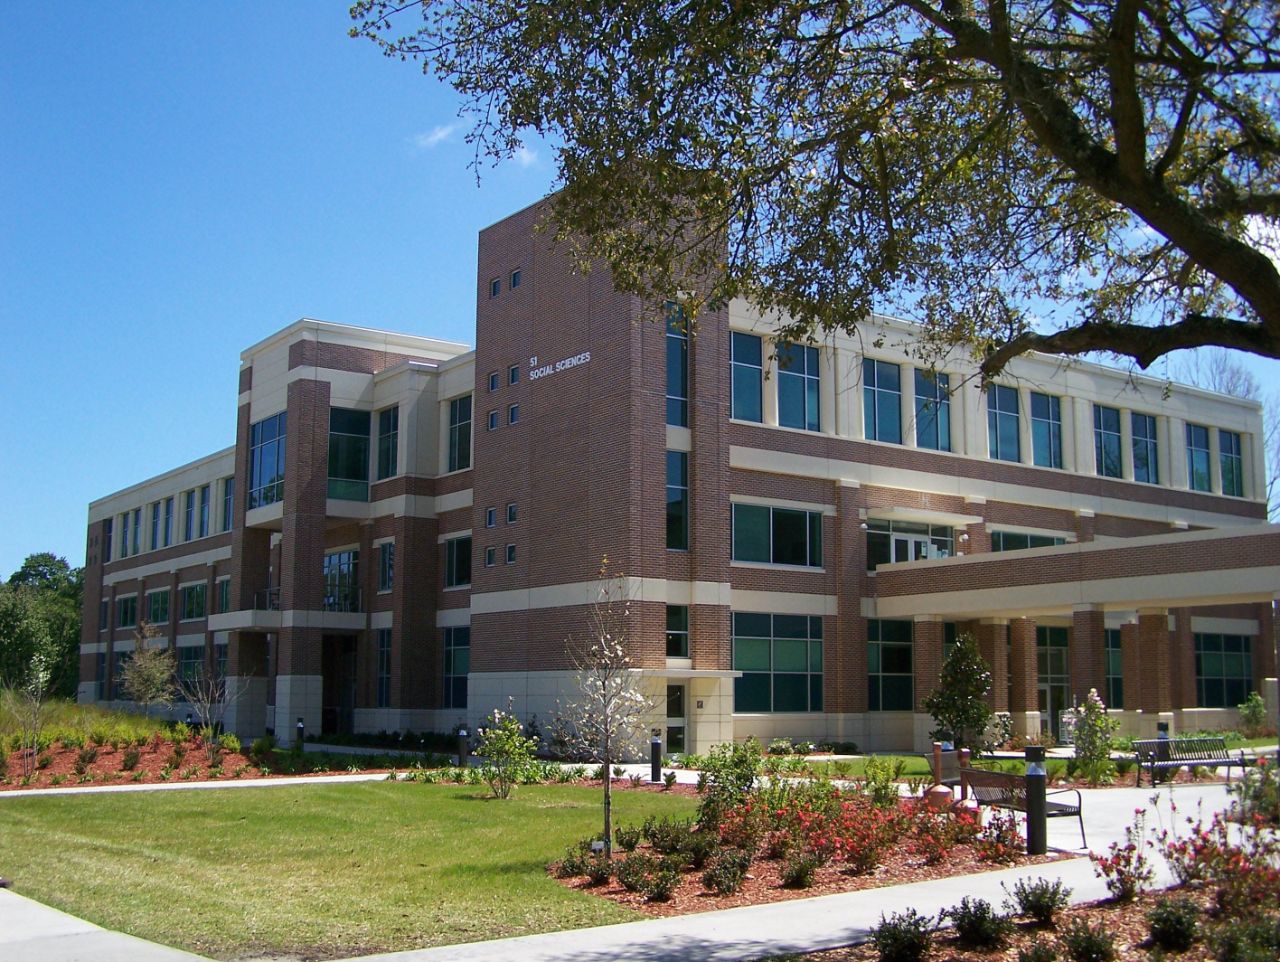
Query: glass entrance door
x,y
908,547
676,720
1054,677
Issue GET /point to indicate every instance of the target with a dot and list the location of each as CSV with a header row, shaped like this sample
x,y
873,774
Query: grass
x,y
320,871
914,766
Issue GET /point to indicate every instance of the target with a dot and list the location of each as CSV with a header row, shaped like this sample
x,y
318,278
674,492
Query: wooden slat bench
x,y
1170,754
1004,790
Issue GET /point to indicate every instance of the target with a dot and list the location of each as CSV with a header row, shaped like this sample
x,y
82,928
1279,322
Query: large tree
x,y
40,614
1056,175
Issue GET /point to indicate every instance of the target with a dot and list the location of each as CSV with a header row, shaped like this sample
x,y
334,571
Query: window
x,y
1106,441
1224,670
495,287
513,414
1002,423
384,668
106,540
1014,541
386,565
137,531
781,536
511,513
881,401
220,660
388,443
191,602
266,460
493,420
798,403
189,516
224,595
168,522
155,525
1115,669
341,574
890,685
490,517
190,663
124,535
460,433
1046,430
457,662
780,657
677,365
348,454
677,501
513,374
515,279
511,554
158,607
228,502
677,631
457,562
1198,478
1232,463
1146,464
490,556
746,363
493,380
204,510
933,410
890,542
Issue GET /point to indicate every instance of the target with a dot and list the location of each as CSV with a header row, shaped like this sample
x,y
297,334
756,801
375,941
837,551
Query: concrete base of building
x,y
246,714
298,697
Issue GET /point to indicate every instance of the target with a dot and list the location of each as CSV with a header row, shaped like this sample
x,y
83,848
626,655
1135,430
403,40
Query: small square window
x,y
493,380
495,287
490,517
513,374
515,279
490,557
511,513
513,414
511,554
493,420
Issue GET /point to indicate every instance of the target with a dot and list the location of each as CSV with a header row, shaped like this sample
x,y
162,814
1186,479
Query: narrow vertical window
x,y
513,374
493,380
106,540
137,527
495,287
677,500
1198,478
457,662
512,512
1115,669
881,401
798,394
1002,423
933,410
1146,463
267,460
746,359
388,443
168,522
515,279
677,631
511,554
348,454
155,525
1232,462
890,671
457,562
513,414
189,516
1106,441
460,433
228,502
677,365
490,517
1046,430
386,565
204,510
384,668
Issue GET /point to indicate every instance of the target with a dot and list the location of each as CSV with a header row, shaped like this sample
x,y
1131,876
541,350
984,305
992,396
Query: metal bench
x,y
1003,790
1170,754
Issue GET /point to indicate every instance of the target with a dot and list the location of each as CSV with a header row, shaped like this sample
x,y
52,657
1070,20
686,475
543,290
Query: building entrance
x,y
338,665
676,718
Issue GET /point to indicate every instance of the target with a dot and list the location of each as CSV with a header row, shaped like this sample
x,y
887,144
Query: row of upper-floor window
x,y
154,526
514,280
155,607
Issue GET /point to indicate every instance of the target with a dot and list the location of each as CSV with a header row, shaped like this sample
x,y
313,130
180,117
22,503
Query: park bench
x,y
1170,754
1008,791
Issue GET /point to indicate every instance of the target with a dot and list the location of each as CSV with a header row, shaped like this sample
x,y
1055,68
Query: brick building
x,y
406,532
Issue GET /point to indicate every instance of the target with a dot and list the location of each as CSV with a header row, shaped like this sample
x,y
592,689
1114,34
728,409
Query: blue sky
x,y
179,180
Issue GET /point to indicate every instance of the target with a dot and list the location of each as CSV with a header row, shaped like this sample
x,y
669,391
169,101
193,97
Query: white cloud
x,y
525,157
435,136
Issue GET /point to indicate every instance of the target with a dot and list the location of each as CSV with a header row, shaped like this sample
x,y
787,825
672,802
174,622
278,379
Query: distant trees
x,y
40,623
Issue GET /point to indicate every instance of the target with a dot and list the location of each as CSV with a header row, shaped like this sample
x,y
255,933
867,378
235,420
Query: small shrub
x,y
4,762
599,868
618,771
663,881
1174,923
574,861
508,750
633,871
1083,942
85,757
44,760
727,871
798,869
667,835
56,780
1125,868
1253,716
903,937
636,779
1257,941
129,760
261,748
71,741
1038,952
698,847
627,838
229,742
137,776
1000,841
781,746
179,733
978,925
879,781
668,781
701,785
1040,900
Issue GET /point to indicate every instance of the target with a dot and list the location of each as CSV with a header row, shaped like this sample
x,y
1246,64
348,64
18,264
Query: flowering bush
x,y
1126,868
934,836
1094,730
1258,792
1000,840
507,751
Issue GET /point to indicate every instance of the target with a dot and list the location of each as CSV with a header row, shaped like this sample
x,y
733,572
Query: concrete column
x,y
1087,652
827,388
1086,458
926,657
907,380
1155,654
1177,476
1163,450
246,713
769,398
973,420
1070,456
851,399
993,643
1024,678
1131,665
1255,466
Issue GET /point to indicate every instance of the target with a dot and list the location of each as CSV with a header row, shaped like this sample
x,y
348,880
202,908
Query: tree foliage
x,y
147,675
959,703
40,623
961,163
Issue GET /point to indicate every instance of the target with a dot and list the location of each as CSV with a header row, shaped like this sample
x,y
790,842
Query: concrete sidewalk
x,y
31,931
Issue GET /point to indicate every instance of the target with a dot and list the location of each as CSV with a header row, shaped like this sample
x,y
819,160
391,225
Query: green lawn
x,y
321,871
914,766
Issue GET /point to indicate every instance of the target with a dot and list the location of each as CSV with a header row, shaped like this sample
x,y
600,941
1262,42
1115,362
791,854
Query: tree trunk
x,y
608,800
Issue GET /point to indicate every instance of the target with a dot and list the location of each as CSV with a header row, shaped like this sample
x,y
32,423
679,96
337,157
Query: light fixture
x,y
863,526
964,537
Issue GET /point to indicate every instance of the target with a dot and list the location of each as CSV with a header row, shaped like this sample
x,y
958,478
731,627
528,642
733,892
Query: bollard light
x,y
463,750
655,756
301,732
1037,823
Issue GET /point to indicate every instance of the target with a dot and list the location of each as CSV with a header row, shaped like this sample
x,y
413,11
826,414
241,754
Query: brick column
x,y
1131,667
979,539
1157,661
1264,646
993,643
1024,677
1184,660
1087,652
926,657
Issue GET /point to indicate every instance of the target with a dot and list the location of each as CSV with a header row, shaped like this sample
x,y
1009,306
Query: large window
x,y
677,365
1232,462
342,581
158,607
386,565
677,500
388,442
1115,669
191,602
460,433
1002,423
348,454
890,681
1046,430
1224,670
457,562
889,542
1106,441
190,663
781,536
780,657
747,368
1016,541
933,410
798,395
384,668
881,401
677,631
228,502
1054,676
1198,478
1146,463
457,662
266,461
